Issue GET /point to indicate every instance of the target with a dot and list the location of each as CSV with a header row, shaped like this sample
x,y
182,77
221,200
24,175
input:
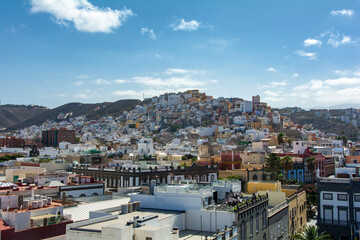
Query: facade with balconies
x,y
339,207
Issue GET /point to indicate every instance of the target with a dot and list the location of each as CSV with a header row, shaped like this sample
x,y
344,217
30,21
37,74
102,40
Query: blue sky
x,y
291,53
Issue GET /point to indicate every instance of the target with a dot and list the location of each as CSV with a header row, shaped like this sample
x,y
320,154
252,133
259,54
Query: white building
x,y
145,146
299,147
246,106
174,100
196,201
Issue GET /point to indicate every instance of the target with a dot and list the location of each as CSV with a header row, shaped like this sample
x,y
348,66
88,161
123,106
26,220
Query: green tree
x,y
311,233
311,198
174,127
273,165
289,140
311,165
287,164
344,142
281,140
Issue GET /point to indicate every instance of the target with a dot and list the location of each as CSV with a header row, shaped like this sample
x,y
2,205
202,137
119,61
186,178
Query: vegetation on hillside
x,y
92,111
11,115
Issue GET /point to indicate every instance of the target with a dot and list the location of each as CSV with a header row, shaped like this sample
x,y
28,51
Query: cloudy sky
x,y
291,53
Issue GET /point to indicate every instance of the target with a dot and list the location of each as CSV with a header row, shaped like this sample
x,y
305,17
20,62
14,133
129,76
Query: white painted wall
x,y
334,202
174,202
87,192
211,220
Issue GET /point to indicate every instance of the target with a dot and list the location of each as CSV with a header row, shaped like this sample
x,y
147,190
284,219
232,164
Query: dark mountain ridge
x,y
21,117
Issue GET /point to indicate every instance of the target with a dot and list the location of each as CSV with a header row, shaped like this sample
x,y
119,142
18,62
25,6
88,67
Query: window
x,y
243,231
328,214
279,229
327,196
342,197
264,219
251,226
357,215
148,238
257,223
357,198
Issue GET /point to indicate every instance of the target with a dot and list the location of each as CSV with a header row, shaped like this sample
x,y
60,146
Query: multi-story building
x,y
230,160
52,138
252,216
339,206
296,212
126,177
31,219
12,142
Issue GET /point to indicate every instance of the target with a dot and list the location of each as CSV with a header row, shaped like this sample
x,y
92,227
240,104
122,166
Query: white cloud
x,y
174,82
82,96
341,72
183,25
309,55
275,84
343,81
150,32
295,75
329,91
343,12
85,16
171,71
271,93
82,76
214,81
79,83
158,56
101,81
128,93
311,41
335,40
150,92
120,81
271,69
279,84
273,99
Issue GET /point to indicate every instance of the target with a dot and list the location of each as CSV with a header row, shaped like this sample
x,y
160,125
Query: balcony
x,y
333,222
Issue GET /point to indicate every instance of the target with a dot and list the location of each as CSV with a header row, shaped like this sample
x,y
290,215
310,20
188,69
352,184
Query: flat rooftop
x,y
124,218
194,235
81,211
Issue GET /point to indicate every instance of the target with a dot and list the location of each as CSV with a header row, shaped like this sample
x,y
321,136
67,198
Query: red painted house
x,y
230,160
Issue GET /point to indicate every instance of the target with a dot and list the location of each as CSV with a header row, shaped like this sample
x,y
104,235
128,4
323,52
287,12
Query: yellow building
x,y
254,187
297,212
296,201
12,175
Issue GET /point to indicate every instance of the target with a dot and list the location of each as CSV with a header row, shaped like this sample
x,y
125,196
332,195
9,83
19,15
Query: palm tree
x,y
281,140
311,165
287,164
311,233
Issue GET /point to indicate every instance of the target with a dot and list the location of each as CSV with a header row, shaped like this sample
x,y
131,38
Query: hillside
x,y
11,115
326,125
92,111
